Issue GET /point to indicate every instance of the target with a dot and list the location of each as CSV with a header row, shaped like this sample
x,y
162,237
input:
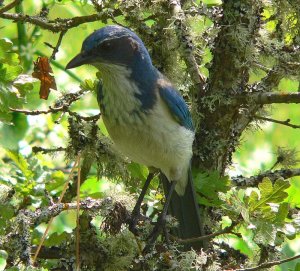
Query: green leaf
x,y
208,186
8,98
6,211
282,213
212,2
3,257
56,239
5,46
269,193
57,179
138,171
89,84
93,187
10,135
5,117
297,267
24,83
265,233
8,73
289,85
20,162
289,231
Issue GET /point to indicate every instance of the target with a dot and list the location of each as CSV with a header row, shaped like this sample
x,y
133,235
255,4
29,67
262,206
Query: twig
x,y
10,6
61,105
253,181
63,108
60,66
51,220
285,122
97,6
36,149
45,214
268,97
39,112
209,236
269,264
58,25
89,118
61,35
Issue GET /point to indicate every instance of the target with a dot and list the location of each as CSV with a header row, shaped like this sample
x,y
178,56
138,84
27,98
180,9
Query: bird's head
x,y
111,45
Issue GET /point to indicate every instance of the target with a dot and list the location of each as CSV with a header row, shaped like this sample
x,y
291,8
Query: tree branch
x,y
36,149
253,181
55,49
45,214
269,264
10,6
268,98
61,105
59,25
285,122
40,112
209,236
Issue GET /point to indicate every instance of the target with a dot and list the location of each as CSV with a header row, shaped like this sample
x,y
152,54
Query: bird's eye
x,y
105,45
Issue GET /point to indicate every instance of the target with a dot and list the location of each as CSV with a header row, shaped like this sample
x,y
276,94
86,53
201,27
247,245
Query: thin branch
x,y
269,264
209,236
52,217
40,112
285,122
10,6
61,35
89,118
36,149
268,97
45,214
63,108
59,25
253,181
98,7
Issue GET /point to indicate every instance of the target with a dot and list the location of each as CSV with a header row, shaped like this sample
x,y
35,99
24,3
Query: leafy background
x,y
30,174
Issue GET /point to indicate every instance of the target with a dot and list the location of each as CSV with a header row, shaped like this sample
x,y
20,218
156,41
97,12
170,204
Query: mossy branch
x,y
253,181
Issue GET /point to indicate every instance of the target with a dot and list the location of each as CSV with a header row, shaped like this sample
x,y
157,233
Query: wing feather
x,y
175,103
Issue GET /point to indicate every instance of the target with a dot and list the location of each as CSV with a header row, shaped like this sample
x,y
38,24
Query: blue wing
x,y
176,105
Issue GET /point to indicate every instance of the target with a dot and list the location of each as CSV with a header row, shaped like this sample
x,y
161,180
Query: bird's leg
x,y
135,215
161,221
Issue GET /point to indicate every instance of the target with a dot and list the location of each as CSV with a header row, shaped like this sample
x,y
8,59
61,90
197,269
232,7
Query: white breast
x,y
154,139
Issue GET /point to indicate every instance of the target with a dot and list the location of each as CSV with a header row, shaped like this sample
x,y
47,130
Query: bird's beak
x,y
78,61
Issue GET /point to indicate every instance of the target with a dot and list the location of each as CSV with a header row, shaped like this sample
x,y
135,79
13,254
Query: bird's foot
x,y
159,227
134,220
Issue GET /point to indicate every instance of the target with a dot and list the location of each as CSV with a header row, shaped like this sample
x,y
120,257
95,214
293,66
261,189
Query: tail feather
x,y
186,210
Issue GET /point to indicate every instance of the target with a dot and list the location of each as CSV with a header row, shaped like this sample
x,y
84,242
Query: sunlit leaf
x,y
93,187
269,193
20,162
12,133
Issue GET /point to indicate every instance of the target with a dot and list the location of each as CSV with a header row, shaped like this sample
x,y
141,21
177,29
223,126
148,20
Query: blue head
x,y
112,45
113,49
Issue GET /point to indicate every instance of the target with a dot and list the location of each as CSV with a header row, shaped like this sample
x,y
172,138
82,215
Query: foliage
x,y
264,38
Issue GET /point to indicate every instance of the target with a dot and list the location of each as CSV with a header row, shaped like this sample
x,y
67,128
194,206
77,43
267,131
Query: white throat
x,y
119,92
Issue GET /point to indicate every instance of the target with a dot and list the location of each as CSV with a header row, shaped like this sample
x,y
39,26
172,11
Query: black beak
x,y
78,61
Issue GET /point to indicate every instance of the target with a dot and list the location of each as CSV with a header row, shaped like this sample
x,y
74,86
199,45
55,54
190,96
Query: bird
x,y
146,118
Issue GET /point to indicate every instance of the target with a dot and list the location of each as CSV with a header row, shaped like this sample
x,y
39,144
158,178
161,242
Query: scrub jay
x,y
146,118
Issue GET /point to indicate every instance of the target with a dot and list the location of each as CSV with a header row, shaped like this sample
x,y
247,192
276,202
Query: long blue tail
x,y
186,210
